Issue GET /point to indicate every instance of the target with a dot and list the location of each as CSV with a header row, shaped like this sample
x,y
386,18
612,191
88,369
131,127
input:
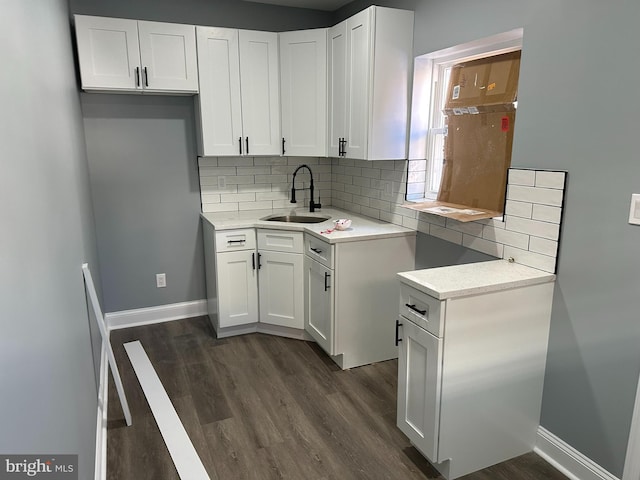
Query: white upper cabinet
x,y
303,92
239,103
370,62
134,56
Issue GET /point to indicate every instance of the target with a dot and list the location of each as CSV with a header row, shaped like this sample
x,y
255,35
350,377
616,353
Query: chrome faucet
x,y
312,205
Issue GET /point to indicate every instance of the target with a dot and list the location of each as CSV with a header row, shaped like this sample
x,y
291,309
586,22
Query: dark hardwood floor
x,y
265,407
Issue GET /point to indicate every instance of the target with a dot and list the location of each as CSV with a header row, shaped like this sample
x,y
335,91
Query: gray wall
x,y
432,252
144,181
142,161
48,402
577,110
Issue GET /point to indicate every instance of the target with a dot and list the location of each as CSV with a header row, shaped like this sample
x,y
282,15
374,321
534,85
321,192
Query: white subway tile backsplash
x,y
268,196
238,197
380,204
522,177
533,227
544,196
370,212
391,217
547,214
518,209
410,223
255,206
362,181
469,228
235,161
239,179
483,245
207,161
217,171
543,246
506,237
258,161
446,234
531,259
271,179
219,207
550,179
210,198
264,170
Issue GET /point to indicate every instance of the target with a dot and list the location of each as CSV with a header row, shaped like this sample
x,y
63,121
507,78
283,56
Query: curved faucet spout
x,y
312,204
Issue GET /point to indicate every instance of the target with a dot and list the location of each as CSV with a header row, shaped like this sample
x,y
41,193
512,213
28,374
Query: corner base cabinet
x,y
470,373
350,293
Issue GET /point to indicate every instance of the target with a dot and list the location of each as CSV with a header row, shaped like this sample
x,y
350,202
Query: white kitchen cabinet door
x,y
359,58
168,57
319,318
303,92
220,130
419,387
237,288
108,53
260,87
337,53
281,289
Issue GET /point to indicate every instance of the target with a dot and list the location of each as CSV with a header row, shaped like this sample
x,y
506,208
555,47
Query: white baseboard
x,y
159,314
101,423
567,459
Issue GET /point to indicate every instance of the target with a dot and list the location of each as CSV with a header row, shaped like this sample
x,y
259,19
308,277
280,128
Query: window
x,y
432,73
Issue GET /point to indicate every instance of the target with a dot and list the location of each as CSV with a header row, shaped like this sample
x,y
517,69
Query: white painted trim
x,y
567,459
632,462
101,423
183,453
159,314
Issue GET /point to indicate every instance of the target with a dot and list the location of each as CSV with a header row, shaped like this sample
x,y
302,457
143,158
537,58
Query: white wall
x,y
48,390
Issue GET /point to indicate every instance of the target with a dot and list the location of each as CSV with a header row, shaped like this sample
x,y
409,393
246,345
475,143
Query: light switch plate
x,y
634,212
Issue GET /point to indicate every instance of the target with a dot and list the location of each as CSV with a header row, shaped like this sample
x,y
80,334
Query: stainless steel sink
x,y
297,218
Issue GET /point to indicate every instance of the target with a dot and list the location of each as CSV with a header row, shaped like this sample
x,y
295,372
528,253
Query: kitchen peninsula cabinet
x,y
239,102
122,55
370,63
303,92
350,292
473,344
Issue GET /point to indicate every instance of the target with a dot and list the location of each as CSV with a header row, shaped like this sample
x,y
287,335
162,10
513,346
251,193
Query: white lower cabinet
x,y
470,373
350,294
280,278
254,281
237,288
319,304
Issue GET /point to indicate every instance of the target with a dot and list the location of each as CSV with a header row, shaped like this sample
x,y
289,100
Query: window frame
x,y
427,103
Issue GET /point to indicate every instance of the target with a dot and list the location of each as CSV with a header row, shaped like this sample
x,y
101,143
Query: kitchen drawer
x,y
234,240
422,309
320,251
280,241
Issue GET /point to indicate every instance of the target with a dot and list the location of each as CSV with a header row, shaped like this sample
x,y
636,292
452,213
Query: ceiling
x,y
329,5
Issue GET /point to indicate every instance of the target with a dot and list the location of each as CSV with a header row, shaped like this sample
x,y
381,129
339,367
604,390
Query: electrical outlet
x,y
161,280
222,182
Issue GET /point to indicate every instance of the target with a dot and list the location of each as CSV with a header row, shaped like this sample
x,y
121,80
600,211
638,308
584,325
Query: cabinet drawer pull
x,y
398,325
253,261
232,242
247,142
146,77
240,145
259,264
283,150
316,250
326,285
413,307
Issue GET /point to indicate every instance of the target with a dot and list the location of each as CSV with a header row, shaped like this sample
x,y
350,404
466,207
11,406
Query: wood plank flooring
x,y
262,407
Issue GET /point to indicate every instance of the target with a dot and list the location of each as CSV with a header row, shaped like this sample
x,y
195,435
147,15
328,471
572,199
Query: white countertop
x,y
362,228
473,278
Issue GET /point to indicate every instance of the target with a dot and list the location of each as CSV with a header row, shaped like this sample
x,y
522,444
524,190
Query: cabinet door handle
x,y
283,150
146,77
344,147
316,250
240,145
326,285
253,261
247,142
398,339
259,264
137,77
340,146
413,307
